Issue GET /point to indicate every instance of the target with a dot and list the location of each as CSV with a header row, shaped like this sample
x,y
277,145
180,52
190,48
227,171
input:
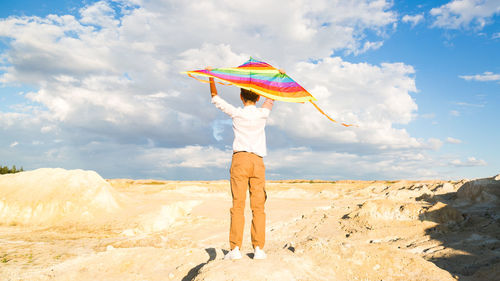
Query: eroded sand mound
x,y
388,210
482,190
54,196
347,230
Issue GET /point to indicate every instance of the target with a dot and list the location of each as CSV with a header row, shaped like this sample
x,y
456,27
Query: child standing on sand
x,y
247,168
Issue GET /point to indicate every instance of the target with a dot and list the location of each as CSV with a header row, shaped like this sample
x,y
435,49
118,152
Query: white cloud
x,y
46,129
367,46
219,126
108,88
468,104
311,164
428,116
453,140
485,77
413,19
376,102
99,14
495,35
301,162
455,113
189,157
102,72
13,144
434,144
470,162
465,14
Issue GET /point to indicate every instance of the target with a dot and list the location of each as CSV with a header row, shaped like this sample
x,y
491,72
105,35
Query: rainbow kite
x,y
263,79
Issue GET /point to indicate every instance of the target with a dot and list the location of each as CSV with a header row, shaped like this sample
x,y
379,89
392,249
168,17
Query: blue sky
x,y
96,85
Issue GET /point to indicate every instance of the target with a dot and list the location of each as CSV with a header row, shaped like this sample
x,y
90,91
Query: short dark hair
x,y
248,95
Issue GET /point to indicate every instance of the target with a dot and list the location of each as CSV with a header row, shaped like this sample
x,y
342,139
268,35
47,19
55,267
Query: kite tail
x,y
322,112
205,81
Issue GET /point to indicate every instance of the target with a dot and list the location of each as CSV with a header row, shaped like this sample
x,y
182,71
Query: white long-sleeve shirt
x,y
248,126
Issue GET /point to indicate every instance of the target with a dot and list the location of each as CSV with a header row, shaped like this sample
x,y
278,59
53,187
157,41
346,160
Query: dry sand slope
x,y
73,225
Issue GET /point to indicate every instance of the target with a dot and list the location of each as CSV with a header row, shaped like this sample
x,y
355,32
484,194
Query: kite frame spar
x,y
263,79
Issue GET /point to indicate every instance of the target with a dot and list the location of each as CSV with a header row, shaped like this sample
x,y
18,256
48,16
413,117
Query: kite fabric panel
x,y
263,79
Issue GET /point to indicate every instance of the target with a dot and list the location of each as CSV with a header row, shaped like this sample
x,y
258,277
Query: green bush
x,y
6,170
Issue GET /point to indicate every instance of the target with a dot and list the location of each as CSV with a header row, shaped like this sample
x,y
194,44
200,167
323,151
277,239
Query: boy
x,y
247,168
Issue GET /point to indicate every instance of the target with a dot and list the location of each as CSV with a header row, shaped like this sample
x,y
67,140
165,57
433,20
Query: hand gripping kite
x,y
262,79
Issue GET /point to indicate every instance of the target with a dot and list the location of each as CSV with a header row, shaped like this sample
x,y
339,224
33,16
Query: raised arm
x,y
213,89
218,101
268,103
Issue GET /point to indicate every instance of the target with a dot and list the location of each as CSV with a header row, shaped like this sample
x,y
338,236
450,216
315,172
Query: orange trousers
x,y
248,173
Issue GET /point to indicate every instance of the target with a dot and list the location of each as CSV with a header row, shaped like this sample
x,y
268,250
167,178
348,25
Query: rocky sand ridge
x,y
73,225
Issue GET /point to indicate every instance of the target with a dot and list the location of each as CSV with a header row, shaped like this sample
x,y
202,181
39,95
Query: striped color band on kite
x,y
263,79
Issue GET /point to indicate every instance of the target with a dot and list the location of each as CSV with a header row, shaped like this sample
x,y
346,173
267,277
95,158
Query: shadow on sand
x,y
193,272
468,227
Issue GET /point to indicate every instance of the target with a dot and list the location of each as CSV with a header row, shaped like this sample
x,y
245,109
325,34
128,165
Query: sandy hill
x,y
73,225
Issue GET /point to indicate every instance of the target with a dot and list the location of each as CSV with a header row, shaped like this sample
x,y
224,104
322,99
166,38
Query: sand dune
x,y
73,225
54,196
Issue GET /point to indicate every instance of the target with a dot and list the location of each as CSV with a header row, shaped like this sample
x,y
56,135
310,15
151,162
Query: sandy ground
x,y
73,225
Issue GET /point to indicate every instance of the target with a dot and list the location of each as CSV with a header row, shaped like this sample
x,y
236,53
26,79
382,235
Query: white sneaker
x,y
234,254
259,254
